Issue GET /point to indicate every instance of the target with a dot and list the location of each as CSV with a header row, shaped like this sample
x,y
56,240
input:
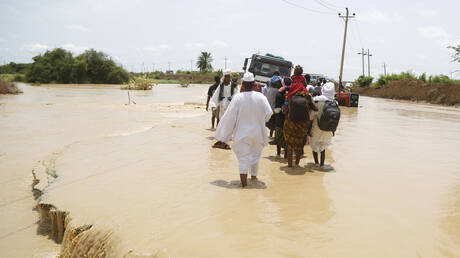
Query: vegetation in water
x,y
60,66
139,83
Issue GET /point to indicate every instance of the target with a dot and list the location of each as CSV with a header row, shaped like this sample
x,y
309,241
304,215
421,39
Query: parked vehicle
x,y
263,67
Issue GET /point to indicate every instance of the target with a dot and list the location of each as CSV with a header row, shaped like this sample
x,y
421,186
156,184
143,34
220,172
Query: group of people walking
x,y
285,106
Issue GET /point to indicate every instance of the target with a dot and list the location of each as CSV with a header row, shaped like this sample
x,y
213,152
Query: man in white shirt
x,y
223,94
245,120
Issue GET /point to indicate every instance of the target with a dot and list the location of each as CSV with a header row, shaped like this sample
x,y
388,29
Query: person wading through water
x,y
211,91
244,121
221,100
274,84
297,116
279,116
325,122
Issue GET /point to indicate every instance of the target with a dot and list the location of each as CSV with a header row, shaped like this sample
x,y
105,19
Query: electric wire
x,y
305,8
325,5
331,5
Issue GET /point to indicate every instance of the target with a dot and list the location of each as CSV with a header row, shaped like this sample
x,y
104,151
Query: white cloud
x,y
196,45
164,46
78,27
438,34
219,43
35,47
74,48
428,13
376,17
150,49
433,32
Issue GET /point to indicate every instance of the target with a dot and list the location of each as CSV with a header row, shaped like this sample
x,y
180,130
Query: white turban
x,y
248,77
227,72
328,90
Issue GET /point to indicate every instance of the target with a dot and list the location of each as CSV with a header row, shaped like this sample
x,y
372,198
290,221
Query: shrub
x,y
432,93
422,77
60,66
364,81
19,78
139,83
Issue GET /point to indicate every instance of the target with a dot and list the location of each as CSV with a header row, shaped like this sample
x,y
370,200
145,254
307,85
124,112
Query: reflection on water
x,y
391,187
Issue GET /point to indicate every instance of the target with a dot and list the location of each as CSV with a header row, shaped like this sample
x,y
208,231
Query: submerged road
x,y
147,180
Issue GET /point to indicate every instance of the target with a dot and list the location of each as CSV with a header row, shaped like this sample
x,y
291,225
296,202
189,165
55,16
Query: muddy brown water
x,y
146,180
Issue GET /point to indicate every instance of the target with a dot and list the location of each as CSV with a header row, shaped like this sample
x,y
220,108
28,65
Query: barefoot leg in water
x,y
244,180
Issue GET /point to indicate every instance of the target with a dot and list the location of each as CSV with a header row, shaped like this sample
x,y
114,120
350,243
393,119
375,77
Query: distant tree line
x,y
60,66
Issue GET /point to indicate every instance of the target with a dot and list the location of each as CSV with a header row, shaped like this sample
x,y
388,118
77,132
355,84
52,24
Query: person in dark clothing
x,y
279,117
211,91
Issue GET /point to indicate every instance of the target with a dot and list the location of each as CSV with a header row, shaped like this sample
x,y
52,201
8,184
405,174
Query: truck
x,y
263,66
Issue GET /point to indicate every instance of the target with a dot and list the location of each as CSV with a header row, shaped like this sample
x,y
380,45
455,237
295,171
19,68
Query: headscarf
x,y
327,91
298,85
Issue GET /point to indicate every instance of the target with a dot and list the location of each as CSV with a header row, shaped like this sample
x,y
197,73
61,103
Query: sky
x,y
144,35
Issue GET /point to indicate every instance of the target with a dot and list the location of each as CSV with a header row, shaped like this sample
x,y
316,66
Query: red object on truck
x,y
347,99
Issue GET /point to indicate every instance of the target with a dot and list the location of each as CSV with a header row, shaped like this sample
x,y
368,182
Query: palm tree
x,y
204,62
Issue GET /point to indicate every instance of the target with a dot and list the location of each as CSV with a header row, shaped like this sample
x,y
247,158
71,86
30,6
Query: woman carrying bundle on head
x,y
297,118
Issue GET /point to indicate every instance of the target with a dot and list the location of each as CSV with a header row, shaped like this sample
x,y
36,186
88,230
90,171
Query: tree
x,y
204,62
60,66
456,55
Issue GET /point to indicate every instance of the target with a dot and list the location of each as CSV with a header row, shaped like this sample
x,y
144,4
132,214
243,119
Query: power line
x,y
332,5
324,5
305,8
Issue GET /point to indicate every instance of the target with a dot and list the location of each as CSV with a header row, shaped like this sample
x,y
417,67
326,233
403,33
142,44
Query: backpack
x,y
330,117
298,109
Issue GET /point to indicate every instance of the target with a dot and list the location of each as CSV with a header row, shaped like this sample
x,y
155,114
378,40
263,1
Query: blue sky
x,y
406,35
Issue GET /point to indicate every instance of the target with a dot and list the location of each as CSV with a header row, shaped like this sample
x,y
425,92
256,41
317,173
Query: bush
x,y
364,81
19,78
60,66
432,93
139,83
422,77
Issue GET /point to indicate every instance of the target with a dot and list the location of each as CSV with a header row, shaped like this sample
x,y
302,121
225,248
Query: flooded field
x,y
141,179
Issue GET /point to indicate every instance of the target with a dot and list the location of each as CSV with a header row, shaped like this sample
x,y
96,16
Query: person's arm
x,y
207,103
267,109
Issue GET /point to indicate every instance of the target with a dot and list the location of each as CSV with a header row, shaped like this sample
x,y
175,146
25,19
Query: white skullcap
x,y
227,72
328,90
248,77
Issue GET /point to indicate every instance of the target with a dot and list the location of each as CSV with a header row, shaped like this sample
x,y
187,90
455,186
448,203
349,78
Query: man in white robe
x,y
245,120
223,95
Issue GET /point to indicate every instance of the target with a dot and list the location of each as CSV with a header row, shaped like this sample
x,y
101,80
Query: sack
x,y
298,109
330,117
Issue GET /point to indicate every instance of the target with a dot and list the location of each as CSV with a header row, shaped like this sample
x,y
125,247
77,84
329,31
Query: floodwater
x,y
146,180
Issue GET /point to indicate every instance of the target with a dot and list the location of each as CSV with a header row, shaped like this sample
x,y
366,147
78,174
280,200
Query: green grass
x,y
7,77
165,81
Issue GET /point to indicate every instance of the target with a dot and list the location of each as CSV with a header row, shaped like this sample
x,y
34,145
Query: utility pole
x,y
385,69
191,65
169,66
347,16
225,63
362,53
369,62
153,66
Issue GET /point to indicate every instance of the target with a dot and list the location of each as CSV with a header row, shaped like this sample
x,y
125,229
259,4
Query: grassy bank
x,y
415,90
